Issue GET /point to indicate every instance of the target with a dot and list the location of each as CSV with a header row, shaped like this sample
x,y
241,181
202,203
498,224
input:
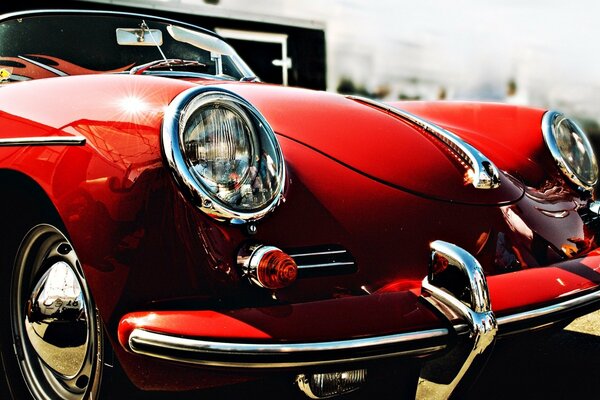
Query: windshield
x,y
43,46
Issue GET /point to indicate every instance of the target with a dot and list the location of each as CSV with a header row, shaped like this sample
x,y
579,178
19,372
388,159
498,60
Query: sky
x,y
469,48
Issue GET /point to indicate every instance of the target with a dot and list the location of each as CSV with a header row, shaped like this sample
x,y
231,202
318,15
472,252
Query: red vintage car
x,y
165,211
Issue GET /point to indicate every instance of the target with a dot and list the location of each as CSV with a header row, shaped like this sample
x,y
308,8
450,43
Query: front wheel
x,y
52,346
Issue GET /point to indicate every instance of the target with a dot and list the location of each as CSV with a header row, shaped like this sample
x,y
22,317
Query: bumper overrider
x,y
452,333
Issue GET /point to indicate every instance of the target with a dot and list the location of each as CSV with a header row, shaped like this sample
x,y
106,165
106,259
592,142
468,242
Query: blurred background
x,y
543,53
539,52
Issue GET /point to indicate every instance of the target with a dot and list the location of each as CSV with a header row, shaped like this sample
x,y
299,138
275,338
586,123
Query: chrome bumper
x,y
468,340
265,355
545,316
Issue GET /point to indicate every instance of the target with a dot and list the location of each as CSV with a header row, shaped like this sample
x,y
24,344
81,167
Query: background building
x,y
539,52
280,50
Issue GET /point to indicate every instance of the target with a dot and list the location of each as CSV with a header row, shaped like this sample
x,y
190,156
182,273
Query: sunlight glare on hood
x,y
132,105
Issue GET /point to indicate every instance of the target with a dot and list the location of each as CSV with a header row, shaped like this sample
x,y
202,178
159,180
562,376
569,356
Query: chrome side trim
x,y
43,141
281,355
485,173
568,305
446,376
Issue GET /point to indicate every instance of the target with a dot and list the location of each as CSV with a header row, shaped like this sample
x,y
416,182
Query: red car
x,y
162,206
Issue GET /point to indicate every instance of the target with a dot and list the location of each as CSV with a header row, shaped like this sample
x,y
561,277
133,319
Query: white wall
x,y
471,48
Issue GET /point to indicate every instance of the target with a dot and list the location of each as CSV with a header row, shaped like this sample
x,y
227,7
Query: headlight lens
x,y
571,149
224,152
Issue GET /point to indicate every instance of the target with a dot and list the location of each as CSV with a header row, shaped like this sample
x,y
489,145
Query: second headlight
x,y
571,149
224,153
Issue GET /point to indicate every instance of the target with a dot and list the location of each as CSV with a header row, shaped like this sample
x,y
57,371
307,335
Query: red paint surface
x,y
328,320
509,135
522,290
386,312
144,247
369,140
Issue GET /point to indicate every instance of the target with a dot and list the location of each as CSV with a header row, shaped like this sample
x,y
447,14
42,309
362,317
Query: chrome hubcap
x,y
56,332
57,322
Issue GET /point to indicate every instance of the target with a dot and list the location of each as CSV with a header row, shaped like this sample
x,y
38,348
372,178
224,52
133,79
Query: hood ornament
x,y
482,173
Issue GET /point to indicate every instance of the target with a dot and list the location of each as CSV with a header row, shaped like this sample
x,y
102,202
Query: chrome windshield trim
x,y
43,141
564,306
280,355
485,174
43,66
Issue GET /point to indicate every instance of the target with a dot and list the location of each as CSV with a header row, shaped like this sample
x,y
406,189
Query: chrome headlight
x,y
571,149
224,154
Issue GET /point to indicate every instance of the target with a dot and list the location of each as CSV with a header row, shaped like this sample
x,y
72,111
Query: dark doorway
x,y
266,53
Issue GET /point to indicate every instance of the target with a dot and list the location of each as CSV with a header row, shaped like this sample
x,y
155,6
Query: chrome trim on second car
x,y
43,141
485,173
284,355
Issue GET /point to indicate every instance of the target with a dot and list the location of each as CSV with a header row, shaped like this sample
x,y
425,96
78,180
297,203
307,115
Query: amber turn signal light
x,y
267,266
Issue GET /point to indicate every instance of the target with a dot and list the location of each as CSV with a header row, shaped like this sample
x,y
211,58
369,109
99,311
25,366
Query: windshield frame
x,y
240,64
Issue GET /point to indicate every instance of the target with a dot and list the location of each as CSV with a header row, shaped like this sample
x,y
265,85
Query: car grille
x,y
322,260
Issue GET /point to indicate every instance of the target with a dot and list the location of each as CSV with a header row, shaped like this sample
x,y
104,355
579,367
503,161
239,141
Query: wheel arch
x,y
23,203
24,207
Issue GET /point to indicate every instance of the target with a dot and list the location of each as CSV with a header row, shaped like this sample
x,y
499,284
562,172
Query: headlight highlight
x,y
571,149
224,153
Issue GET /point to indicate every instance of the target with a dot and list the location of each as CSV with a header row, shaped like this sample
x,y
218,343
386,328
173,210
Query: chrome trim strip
x,y
549,310
447,376
158,345
44,66
43,141
334,264
485,173
319,253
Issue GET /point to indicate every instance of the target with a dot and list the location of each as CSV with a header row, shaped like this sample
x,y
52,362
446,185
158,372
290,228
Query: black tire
x,y
52,340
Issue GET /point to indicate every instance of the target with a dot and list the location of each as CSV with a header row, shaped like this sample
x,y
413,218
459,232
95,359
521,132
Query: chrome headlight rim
x,y
173,126
550,121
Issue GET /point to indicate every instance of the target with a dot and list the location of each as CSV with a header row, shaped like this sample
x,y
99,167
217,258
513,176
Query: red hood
x,y
368,140
510,135
360,137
